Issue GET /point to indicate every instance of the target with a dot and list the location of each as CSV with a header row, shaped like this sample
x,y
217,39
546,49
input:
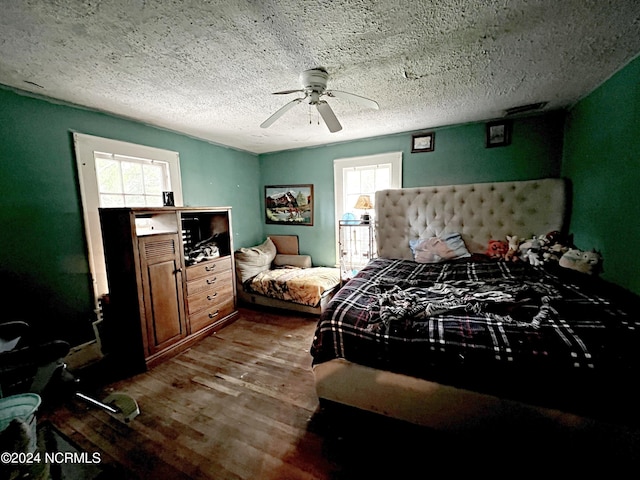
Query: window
x,y
363,176
120,174
130,182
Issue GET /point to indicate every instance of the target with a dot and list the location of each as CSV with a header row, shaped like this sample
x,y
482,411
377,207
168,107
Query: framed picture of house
x,y
498,134
423,142
289,204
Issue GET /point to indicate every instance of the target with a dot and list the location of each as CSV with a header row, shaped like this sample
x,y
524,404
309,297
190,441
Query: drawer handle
x,y
214,314
211,297
211,281
209,268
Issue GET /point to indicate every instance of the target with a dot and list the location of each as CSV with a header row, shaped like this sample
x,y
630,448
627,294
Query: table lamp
x,y
364,203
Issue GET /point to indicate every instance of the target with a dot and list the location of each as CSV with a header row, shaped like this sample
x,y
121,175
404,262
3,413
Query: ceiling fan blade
x,y
356,98
328,116
286,92
281,111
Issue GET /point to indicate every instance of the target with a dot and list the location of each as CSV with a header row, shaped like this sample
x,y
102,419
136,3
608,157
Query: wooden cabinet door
x,y
161,268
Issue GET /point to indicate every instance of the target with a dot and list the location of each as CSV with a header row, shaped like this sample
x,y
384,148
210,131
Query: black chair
x,y
27,365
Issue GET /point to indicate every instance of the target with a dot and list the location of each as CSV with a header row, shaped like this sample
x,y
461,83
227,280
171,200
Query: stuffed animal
x,y
497,249
533,257
582,261
555,244
546,249
531,251
557,238
553,253
512,251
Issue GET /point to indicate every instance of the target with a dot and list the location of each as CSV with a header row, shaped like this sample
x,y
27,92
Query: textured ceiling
x,y
207,68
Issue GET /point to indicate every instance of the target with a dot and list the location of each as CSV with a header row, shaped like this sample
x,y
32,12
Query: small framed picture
x,y
167,199
423,142
498,134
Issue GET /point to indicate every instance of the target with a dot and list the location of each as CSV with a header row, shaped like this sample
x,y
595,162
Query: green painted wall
x,y
460,156
43,261
602,159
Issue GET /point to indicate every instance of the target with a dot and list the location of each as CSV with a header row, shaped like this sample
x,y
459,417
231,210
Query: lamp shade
x,y
363,203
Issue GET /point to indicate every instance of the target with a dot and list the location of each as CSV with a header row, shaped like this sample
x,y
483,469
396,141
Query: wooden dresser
x,y
210,294
171,280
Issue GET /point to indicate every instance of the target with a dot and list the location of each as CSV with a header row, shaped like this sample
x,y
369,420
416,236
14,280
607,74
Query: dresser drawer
x,y
211,315
207,268
212,280
210,298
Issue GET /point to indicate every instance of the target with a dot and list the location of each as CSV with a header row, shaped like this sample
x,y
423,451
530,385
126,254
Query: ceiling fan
x,y
314,83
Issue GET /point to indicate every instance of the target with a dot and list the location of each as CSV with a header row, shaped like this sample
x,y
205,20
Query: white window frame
x,y
85,146
342,164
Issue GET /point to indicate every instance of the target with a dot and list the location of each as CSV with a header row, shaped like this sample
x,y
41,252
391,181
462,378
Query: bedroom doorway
x,y
362,176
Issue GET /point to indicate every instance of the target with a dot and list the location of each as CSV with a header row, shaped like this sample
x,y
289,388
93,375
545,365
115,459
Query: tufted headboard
x,y
479,211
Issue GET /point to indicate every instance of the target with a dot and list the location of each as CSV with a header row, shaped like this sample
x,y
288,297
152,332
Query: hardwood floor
x,y
236,405
241,404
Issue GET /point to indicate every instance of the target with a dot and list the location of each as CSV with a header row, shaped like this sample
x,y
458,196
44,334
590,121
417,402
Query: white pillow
x,y
253,260
439,249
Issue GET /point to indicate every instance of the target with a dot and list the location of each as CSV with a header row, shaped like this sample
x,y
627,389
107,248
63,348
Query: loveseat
x,y
275,274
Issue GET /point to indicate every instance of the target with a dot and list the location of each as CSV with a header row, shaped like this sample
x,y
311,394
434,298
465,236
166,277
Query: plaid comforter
x,y
510,329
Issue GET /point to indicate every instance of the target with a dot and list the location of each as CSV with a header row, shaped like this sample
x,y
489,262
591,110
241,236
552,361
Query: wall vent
x,y
524,108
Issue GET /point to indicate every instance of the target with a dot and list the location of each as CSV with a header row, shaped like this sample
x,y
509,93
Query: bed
x,y
456,339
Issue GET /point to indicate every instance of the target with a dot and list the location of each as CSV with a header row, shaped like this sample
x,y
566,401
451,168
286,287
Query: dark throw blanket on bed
x,y
555,338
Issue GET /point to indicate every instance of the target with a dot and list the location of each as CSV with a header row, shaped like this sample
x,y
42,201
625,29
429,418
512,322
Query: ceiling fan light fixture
x,y
314,79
